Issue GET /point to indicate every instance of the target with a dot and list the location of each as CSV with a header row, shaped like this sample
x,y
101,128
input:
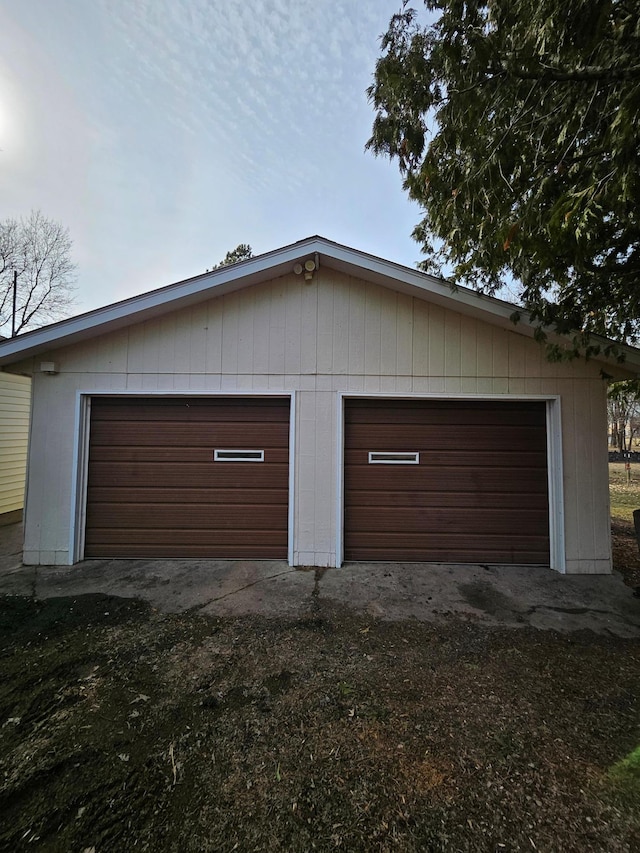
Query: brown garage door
x,y
156,488
454,481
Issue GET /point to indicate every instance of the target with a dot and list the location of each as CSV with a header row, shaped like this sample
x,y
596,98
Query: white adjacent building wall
x,y
336,335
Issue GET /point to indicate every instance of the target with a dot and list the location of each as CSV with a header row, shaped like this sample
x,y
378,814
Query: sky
x,y
163,133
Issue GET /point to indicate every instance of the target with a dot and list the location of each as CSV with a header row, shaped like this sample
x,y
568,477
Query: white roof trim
x,y
261,268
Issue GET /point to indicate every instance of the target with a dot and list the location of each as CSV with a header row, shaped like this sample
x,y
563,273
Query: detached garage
x,y
319,405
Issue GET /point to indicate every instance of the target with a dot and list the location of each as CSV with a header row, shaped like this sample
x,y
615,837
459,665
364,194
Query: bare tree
x,y
38,250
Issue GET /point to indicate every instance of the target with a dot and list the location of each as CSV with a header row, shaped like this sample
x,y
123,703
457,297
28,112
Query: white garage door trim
x,y
554,462
81,454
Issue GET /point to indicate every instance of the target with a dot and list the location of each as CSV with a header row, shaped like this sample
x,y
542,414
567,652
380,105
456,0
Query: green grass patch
x,y
625,776
624,492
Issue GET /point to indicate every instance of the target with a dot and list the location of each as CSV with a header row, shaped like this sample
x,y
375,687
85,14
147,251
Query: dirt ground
x,y
126,730
123,729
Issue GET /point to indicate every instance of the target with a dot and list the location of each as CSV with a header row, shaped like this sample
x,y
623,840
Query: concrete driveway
x,y
508,596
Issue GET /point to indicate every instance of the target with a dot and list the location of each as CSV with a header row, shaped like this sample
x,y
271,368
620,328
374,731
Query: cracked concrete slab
x,y
508,596
493,595
216,587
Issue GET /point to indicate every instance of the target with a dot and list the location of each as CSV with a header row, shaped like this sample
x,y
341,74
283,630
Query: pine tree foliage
x,y
242,252
515,125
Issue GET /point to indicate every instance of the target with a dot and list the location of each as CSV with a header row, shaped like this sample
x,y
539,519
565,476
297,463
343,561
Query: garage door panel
x,y
446,412
457,555
191,410
409,519
430,500
239,410
173,536
189,435
456,458
419,438
365,479
188,516
220,475
188,550
457,552
447,547
479,491
188,496
438,539
171,543
155,490
201,455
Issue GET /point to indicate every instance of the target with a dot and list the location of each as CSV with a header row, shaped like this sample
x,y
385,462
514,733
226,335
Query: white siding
x,y
336,334
15,402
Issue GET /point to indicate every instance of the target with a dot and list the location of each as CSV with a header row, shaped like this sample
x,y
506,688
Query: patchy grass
x,y
625,497
624,777
624,493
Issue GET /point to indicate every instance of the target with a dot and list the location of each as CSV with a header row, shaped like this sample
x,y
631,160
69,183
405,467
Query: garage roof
x,y
325,253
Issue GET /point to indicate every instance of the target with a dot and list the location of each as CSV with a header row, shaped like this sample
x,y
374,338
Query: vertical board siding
x,y
309,319
357,325
420,338
15,405
230,332
340,347
468,347
326,359
293,330
246,333
404,335
436,342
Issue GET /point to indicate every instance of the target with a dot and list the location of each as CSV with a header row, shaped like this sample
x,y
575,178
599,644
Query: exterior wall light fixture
x,y
308,268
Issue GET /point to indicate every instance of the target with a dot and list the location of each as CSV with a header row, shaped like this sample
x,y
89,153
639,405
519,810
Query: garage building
x,y
318,405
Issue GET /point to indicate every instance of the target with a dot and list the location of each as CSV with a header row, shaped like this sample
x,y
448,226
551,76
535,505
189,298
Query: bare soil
x,y
122,729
